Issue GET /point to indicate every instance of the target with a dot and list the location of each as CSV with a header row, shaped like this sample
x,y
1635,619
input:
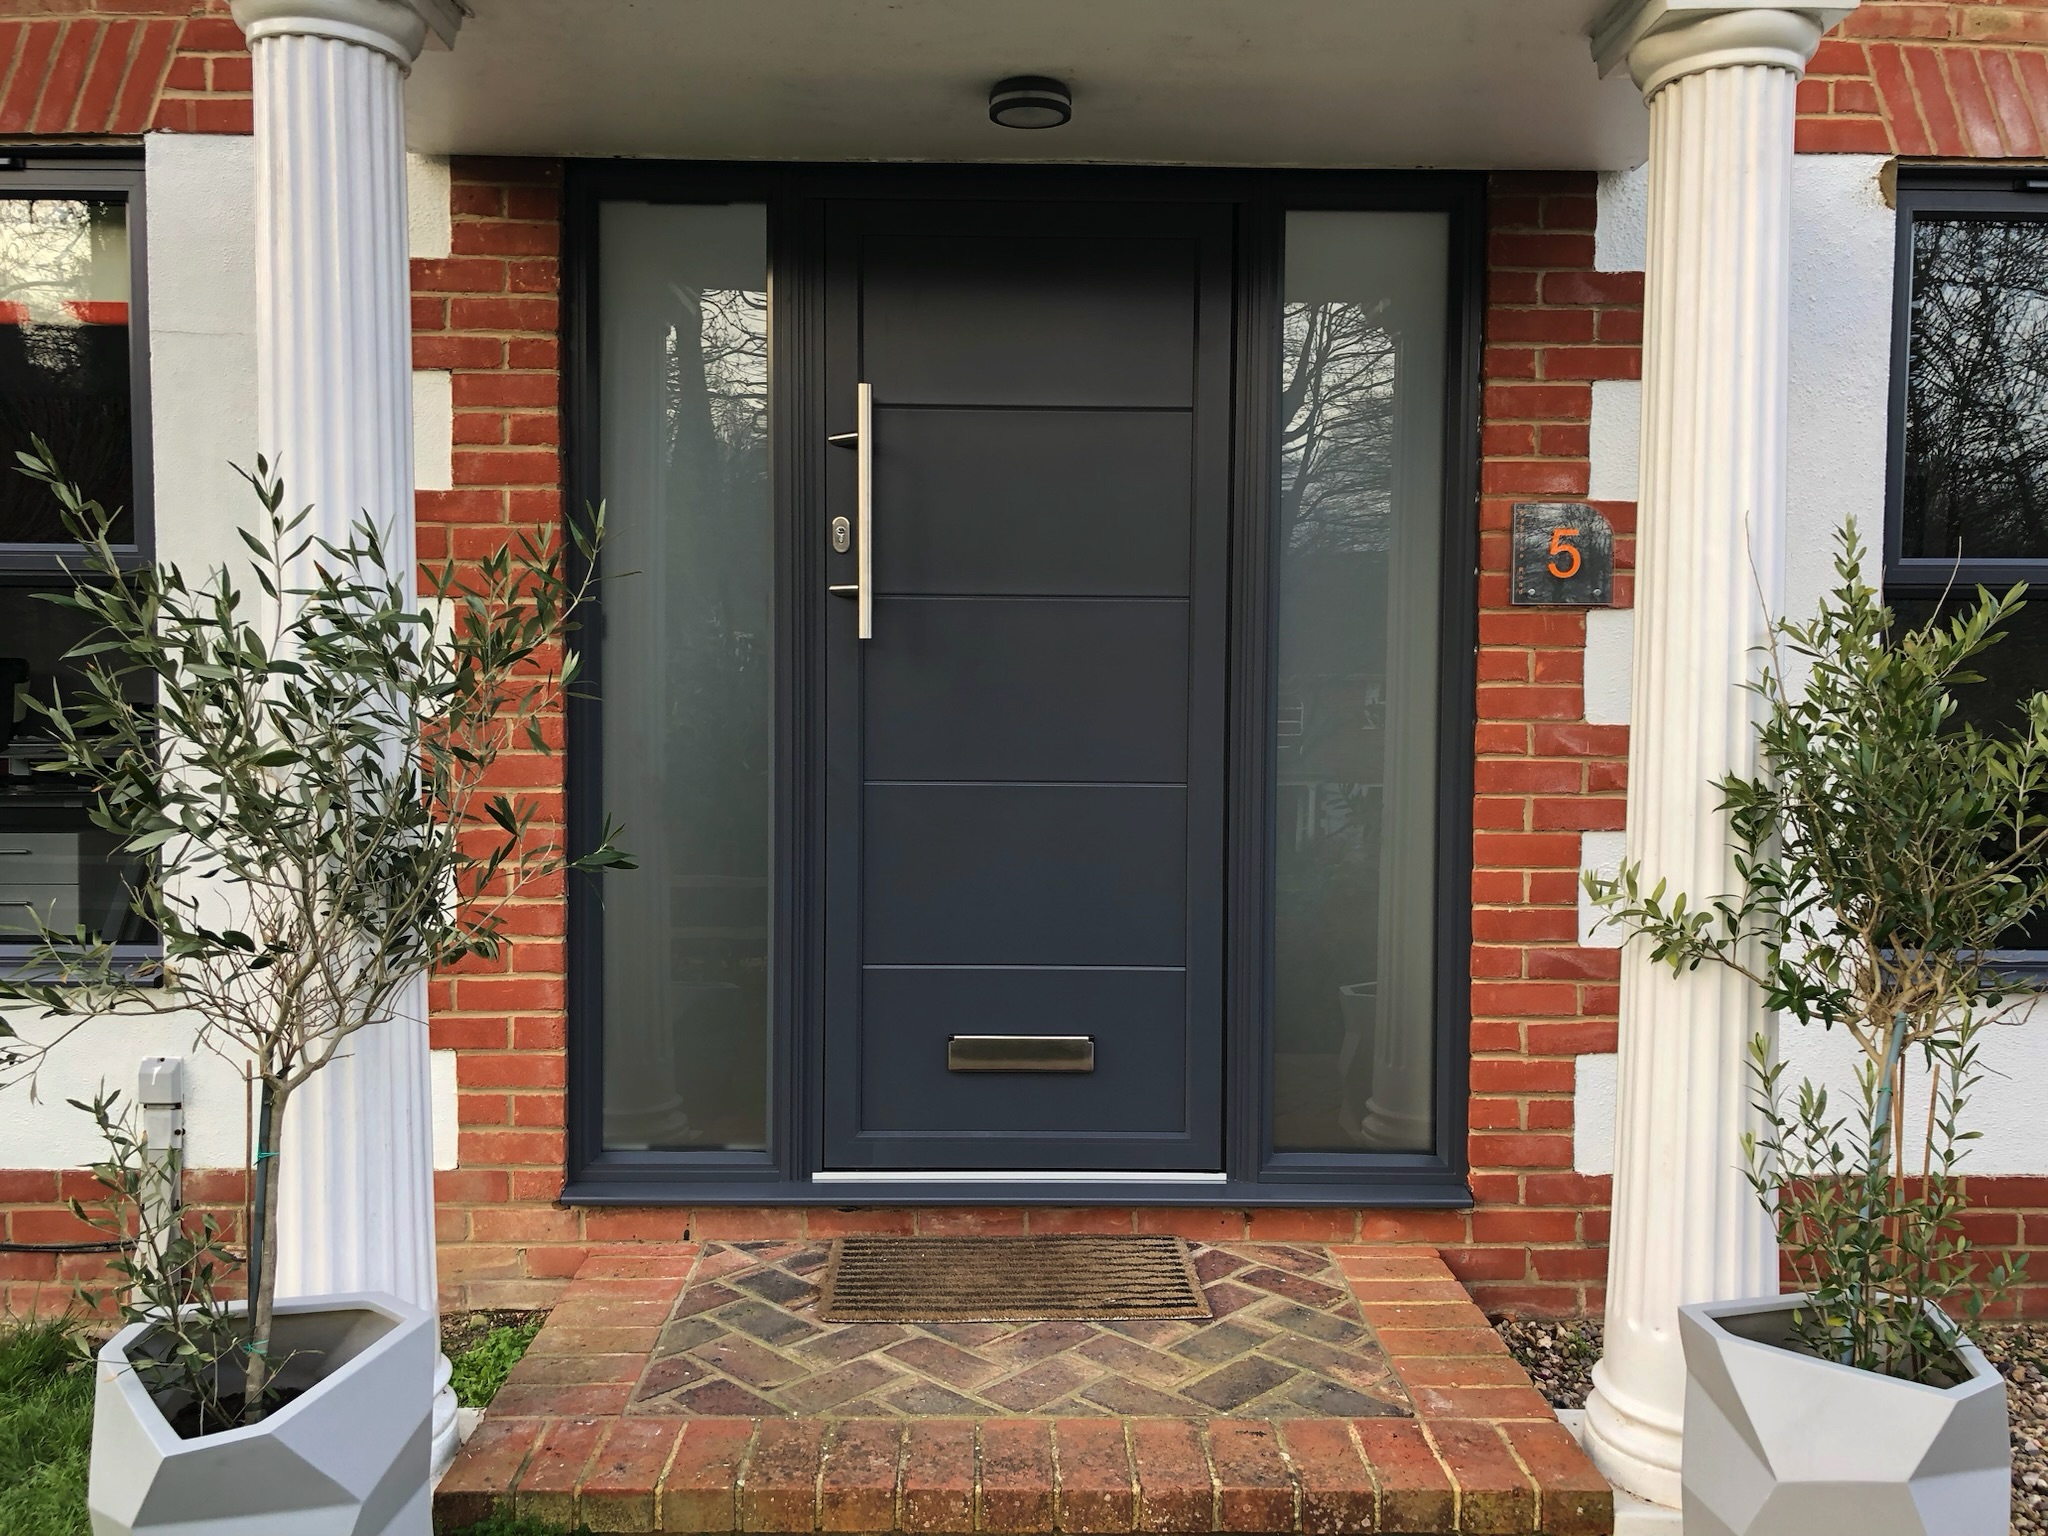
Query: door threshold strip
x,y
1004,1176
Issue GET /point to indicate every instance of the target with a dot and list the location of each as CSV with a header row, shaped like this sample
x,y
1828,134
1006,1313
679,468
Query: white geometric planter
x,y
1778,1443
348,1457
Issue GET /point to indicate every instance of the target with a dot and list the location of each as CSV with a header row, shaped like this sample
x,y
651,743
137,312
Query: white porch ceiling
x,y
1462,83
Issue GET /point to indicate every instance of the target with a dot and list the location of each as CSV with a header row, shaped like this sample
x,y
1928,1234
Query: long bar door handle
x,y
864,506
862,440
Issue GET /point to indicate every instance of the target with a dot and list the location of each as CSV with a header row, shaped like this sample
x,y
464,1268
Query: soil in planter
x,y
1558,1354
191,1421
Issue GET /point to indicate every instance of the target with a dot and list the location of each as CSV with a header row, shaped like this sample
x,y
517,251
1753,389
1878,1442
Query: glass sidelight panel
x,y
1360,537
686,672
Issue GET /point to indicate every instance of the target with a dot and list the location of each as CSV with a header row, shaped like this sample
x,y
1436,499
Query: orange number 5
x,y
1561,550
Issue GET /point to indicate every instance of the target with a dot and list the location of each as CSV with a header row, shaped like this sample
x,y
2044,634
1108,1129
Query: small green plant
x,y
1884,851
482,1368
45,1430
171,1268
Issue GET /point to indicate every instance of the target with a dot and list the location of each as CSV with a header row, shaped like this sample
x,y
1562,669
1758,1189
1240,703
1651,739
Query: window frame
x,y
93,172
1253,1173
1947,191
99,172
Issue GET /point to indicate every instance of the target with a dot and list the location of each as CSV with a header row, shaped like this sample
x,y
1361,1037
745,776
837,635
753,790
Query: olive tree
x,y
1886,849
306,776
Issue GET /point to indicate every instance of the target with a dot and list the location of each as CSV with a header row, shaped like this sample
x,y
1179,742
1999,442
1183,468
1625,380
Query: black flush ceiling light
x,y
1029,101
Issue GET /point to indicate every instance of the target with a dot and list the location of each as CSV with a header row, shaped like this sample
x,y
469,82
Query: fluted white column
x,y
334,411
1721,84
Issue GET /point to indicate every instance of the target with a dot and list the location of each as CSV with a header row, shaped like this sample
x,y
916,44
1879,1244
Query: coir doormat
x,y
1007,1279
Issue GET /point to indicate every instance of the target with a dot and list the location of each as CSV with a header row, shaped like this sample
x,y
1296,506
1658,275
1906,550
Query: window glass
x,y
687,674
1976,470
54,864
1361,511
2009,673
64,358
1973,484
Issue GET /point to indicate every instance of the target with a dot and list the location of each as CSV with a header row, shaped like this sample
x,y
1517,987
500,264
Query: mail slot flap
x,y
1020,1053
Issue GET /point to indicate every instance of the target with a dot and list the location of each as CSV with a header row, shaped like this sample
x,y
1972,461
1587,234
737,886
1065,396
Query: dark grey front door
x,y
1024,764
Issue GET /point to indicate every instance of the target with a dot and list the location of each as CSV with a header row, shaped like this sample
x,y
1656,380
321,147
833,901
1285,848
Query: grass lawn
x,y
45,1433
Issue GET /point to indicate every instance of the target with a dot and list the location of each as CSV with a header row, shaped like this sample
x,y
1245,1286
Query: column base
x,y
447,1439
1636,1447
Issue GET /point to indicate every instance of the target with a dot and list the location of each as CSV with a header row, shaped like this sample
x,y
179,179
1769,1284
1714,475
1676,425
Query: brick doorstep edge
x,y
1483,1455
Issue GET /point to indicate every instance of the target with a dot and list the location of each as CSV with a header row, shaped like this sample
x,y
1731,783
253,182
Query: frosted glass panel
x,y
1361,512
687,669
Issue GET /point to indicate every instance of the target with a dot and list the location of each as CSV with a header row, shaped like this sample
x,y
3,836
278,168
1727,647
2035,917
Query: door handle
x,y
862,440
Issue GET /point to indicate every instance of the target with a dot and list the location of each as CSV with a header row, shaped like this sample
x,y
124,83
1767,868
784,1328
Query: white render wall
x,y
201,232
1842,257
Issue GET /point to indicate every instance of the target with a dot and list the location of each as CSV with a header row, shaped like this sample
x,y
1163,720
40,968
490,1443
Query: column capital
x,y
398,28
1660,40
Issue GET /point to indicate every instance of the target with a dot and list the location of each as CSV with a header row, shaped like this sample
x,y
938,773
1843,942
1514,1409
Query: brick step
x,y
620,1416
1319,1477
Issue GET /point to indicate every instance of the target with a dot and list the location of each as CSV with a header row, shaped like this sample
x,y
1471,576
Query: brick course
x,y
78,68
1967,81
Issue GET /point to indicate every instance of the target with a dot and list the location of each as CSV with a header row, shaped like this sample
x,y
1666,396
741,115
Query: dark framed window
x,y
695,301
74,349
1967,486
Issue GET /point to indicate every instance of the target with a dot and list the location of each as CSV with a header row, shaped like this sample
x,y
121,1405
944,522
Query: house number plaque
x,y
1563,556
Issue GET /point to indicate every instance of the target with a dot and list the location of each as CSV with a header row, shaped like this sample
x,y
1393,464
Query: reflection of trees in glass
x,y
1338,423
1977,390
61,378
1337,426
54,249
716,413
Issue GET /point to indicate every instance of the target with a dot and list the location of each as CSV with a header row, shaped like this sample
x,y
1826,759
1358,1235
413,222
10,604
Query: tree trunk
x,y
262,1270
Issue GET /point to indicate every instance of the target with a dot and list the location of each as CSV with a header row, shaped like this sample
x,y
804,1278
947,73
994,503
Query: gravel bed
x,y
2020,1351
1558,1354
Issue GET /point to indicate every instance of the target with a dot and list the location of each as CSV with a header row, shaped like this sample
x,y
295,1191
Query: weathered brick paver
x,y
886,1427
1289,1340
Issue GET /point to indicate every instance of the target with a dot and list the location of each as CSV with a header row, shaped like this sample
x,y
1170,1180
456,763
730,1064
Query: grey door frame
x,y
1253,1174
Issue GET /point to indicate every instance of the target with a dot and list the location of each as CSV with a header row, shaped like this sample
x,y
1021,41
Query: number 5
x,y
1561,545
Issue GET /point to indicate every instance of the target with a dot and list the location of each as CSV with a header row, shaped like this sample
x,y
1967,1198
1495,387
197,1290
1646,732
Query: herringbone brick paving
x,y
571,1440
1286,1341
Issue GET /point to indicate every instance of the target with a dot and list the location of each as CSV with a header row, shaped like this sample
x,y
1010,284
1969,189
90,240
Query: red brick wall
x,y
1958,81
35,1208
1542,775
488,314
88,67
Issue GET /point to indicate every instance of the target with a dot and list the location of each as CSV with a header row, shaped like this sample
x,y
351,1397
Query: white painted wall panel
x,y
1593,1112
1600,853
1610,639
1617,429
433,429
1618,242
429,218
202,341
